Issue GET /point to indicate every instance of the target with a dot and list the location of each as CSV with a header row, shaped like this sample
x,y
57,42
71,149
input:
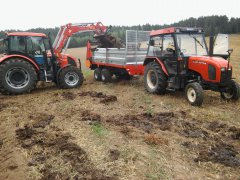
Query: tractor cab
x,y
32,45
174,44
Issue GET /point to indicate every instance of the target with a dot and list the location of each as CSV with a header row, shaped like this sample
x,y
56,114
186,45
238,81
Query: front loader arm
x,y
68,30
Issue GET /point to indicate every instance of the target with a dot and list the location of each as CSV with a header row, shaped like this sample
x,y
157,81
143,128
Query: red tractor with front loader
x,y
179,59
31,57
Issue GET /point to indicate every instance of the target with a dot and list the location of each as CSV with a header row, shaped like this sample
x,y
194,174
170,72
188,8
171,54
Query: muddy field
x,y
118,131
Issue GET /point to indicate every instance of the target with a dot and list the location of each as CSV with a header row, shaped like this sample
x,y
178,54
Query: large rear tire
x,y
17,76
232,92
194,94
70,77
155,80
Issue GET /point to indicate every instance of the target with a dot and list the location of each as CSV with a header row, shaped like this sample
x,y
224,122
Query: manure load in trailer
x,y
134,53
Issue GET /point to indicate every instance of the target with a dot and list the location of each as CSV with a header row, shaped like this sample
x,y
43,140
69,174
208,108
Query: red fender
x,y
160,62
4,58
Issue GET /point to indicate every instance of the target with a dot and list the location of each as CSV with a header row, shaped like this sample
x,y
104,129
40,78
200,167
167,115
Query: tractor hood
x,y
215,61
211,69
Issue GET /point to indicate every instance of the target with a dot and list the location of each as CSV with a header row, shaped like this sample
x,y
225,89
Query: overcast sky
x,y
25,14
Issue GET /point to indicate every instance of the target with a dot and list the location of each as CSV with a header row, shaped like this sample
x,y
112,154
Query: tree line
x,y
210,24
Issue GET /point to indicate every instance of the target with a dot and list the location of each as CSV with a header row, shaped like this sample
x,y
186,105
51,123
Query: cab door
x,y
169,54
36,49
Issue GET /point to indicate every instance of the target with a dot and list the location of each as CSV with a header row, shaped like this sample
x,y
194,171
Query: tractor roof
x,y
26,34
176,30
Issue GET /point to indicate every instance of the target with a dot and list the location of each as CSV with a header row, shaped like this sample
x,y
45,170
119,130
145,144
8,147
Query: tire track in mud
x,y
53,153
216,142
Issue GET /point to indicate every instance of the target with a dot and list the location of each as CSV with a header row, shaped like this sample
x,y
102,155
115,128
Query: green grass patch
x,y
99,129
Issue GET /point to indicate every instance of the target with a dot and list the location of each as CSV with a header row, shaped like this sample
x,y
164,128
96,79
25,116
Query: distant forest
x,y
210,24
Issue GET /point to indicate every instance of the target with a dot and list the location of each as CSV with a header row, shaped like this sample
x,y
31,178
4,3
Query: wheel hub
x,y
17,77
71,78
191,94
152,79
228,93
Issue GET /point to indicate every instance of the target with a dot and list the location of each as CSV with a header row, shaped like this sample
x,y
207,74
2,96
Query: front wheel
x,y
231,92
70,77
194,94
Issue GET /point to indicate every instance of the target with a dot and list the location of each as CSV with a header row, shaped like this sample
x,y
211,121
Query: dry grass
x,y
164,158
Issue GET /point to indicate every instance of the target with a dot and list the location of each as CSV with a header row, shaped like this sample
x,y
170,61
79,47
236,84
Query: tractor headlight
x,y
223,69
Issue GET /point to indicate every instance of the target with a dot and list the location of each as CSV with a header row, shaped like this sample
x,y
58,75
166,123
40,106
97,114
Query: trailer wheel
x,y
155,79
97,74
232,92
106,75
194,94
17,76
70,77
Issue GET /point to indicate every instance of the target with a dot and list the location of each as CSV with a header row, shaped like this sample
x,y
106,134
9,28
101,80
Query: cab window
x,y
168,46
155,46
17,43
35,45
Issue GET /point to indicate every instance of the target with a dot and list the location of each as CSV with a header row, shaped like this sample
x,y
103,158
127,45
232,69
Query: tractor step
x,y
171,89
48,76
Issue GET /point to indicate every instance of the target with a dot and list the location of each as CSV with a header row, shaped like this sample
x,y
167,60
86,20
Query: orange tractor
x,y
31,57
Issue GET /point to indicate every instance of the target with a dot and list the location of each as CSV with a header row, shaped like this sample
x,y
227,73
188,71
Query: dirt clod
x,y
3,106
152,139
68,95
108,99
25,133
92,117
12,167
114,154
235,133
221,153
216,126
41,120
105,99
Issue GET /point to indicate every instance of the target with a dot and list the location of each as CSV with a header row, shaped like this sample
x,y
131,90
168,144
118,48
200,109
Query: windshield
x,y
192,44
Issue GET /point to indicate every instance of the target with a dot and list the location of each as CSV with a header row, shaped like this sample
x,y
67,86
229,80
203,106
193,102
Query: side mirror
x,y
230,51
151,42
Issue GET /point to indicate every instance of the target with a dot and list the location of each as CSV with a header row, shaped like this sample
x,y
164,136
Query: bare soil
x,y
52,142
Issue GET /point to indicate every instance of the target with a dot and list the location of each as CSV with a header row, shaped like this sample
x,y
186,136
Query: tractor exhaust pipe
x,y
211,45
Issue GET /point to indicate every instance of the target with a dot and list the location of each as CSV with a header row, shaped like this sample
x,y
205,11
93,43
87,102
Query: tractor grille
x,y
226,75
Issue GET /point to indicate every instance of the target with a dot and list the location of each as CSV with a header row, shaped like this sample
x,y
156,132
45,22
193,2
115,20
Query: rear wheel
x,y
97,74
194,94
70,77
106,75
17,76
232,92
154,78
